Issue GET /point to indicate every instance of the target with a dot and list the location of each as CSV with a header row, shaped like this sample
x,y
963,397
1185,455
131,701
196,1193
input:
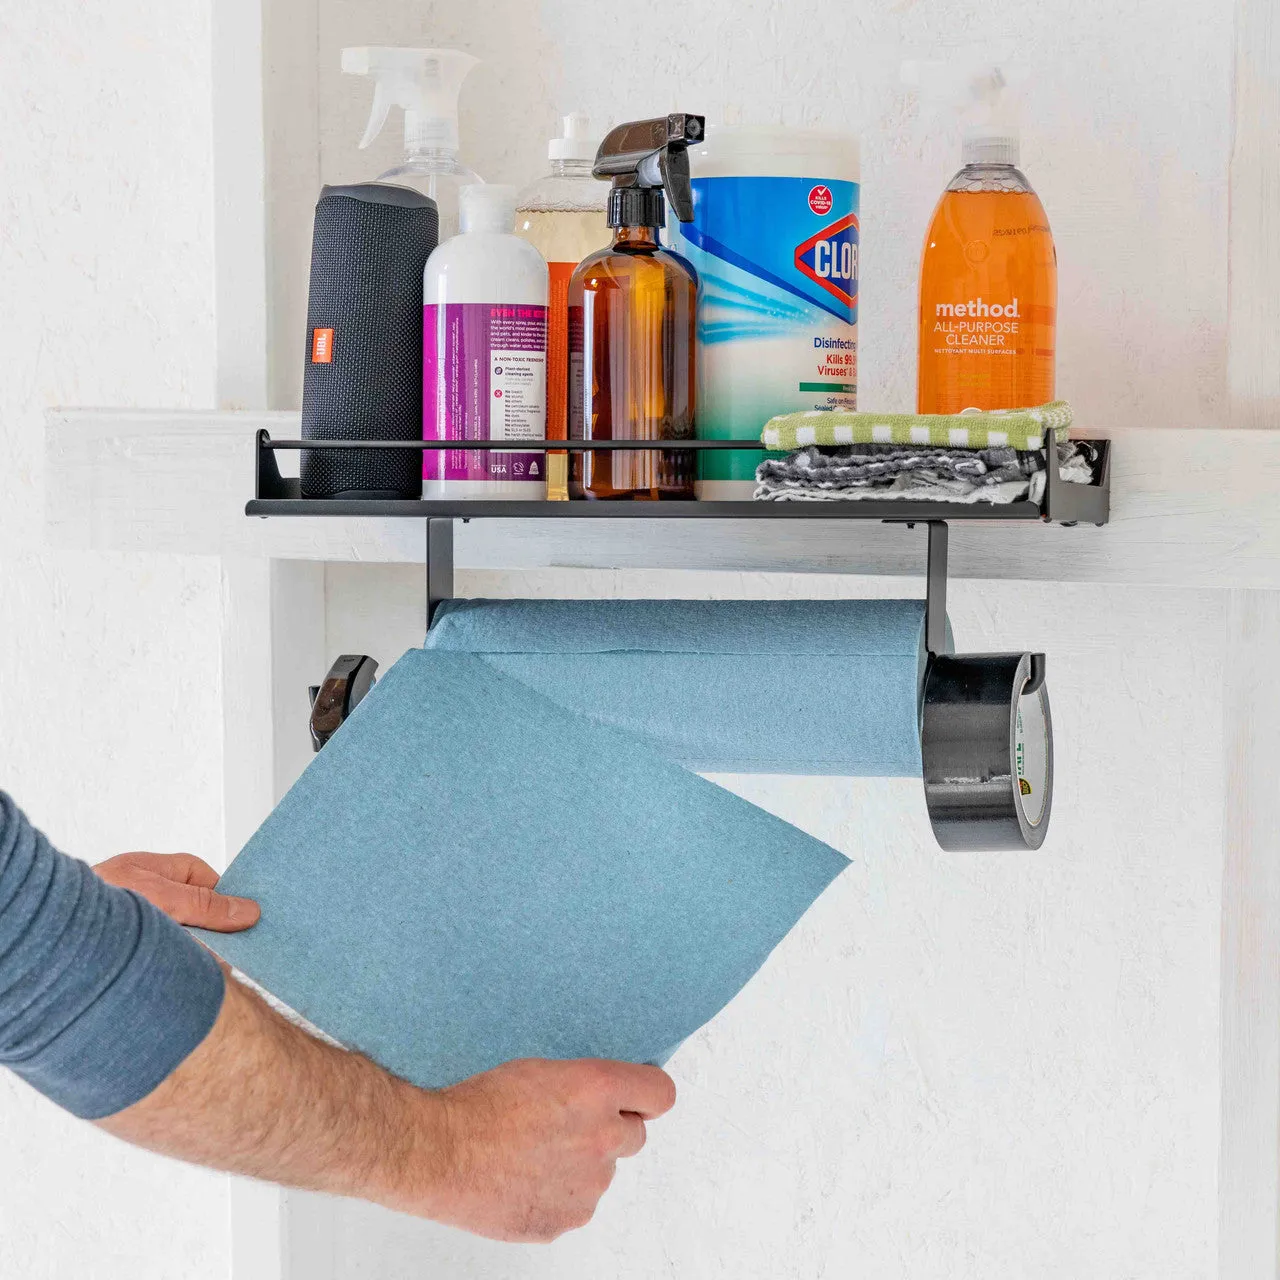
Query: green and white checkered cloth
x,y
1000,428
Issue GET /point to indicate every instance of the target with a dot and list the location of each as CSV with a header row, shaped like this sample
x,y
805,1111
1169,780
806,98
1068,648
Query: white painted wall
x,y
110,712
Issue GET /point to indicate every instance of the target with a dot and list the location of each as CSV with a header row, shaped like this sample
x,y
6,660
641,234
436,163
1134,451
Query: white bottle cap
x,y
576,142
487,206
988,145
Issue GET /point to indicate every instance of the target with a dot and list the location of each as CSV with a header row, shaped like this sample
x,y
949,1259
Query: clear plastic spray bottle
x,y
425,83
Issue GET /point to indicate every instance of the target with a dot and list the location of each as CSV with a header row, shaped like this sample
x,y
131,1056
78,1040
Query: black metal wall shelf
x,y
1062,503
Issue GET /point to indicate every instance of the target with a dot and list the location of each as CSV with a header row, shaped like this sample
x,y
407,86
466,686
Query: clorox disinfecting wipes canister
x,y
774,239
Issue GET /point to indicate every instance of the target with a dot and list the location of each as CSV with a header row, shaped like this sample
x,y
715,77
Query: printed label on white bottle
x,y
484,378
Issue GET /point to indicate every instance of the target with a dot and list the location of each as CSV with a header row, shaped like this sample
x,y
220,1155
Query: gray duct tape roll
x,y
987,750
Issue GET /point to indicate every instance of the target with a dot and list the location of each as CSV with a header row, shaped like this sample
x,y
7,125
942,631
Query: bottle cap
x,y
576,141
636,207
487,206
990,146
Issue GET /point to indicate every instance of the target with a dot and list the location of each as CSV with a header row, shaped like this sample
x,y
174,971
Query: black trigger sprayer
x,y
644,159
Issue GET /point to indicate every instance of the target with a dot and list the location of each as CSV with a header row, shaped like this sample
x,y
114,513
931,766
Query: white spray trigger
x,y
383,101
424,83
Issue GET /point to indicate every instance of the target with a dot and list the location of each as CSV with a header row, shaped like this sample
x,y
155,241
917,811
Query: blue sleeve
x,y
101,995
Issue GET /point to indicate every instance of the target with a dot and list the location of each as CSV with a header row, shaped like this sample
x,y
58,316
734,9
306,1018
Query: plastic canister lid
x,y
487,206
740,150
576,141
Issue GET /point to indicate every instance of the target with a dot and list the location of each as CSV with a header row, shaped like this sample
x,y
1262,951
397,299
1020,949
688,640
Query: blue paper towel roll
x,y
468,873
756,686
502,852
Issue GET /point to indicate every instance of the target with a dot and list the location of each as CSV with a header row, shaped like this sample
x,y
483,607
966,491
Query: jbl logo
x,y
322,346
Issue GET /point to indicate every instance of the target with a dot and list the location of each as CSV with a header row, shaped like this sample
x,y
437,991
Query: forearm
x,y
262,1097
120,1017
101,996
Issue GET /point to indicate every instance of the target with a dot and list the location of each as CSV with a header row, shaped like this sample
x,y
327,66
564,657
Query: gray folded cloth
x,y
890,471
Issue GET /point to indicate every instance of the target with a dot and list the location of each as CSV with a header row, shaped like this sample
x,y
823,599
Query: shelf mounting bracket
x,y
935,600
439,564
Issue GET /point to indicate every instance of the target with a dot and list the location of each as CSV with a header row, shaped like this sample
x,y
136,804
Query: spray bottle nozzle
x,y
424,82
650,156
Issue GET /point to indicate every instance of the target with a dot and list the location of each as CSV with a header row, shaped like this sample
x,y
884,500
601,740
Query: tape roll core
x,y
987,750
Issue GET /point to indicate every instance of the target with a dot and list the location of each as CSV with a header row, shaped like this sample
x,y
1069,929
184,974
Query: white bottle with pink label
x,y
484,354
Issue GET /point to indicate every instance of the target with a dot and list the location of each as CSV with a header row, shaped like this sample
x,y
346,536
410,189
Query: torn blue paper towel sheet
x,y
470,873
743,686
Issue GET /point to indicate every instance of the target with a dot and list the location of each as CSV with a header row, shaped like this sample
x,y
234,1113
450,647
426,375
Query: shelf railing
x,y
1062,502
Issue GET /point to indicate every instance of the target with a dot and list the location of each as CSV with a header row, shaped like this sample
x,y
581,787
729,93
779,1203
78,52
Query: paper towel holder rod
x,y
439,566
439,556
351,676
935,597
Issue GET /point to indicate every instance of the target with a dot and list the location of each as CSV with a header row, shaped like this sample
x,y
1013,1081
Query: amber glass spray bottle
x,y
632,318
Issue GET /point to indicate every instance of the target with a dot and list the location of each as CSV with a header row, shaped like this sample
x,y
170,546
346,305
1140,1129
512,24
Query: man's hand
x,y
183,887
532,1145
522,1152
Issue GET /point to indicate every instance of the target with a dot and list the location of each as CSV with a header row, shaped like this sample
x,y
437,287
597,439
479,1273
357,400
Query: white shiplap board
x,y
1253,332
1249,1176
239,195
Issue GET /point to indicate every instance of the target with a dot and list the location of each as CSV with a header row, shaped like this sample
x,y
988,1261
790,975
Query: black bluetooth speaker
x,y
363,376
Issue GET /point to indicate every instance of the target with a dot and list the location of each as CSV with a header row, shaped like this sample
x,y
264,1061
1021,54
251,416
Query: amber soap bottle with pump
x,y
632,323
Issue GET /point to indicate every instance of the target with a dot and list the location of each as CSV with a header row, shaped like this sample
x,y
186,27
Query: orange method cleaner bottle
x,y
988,288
